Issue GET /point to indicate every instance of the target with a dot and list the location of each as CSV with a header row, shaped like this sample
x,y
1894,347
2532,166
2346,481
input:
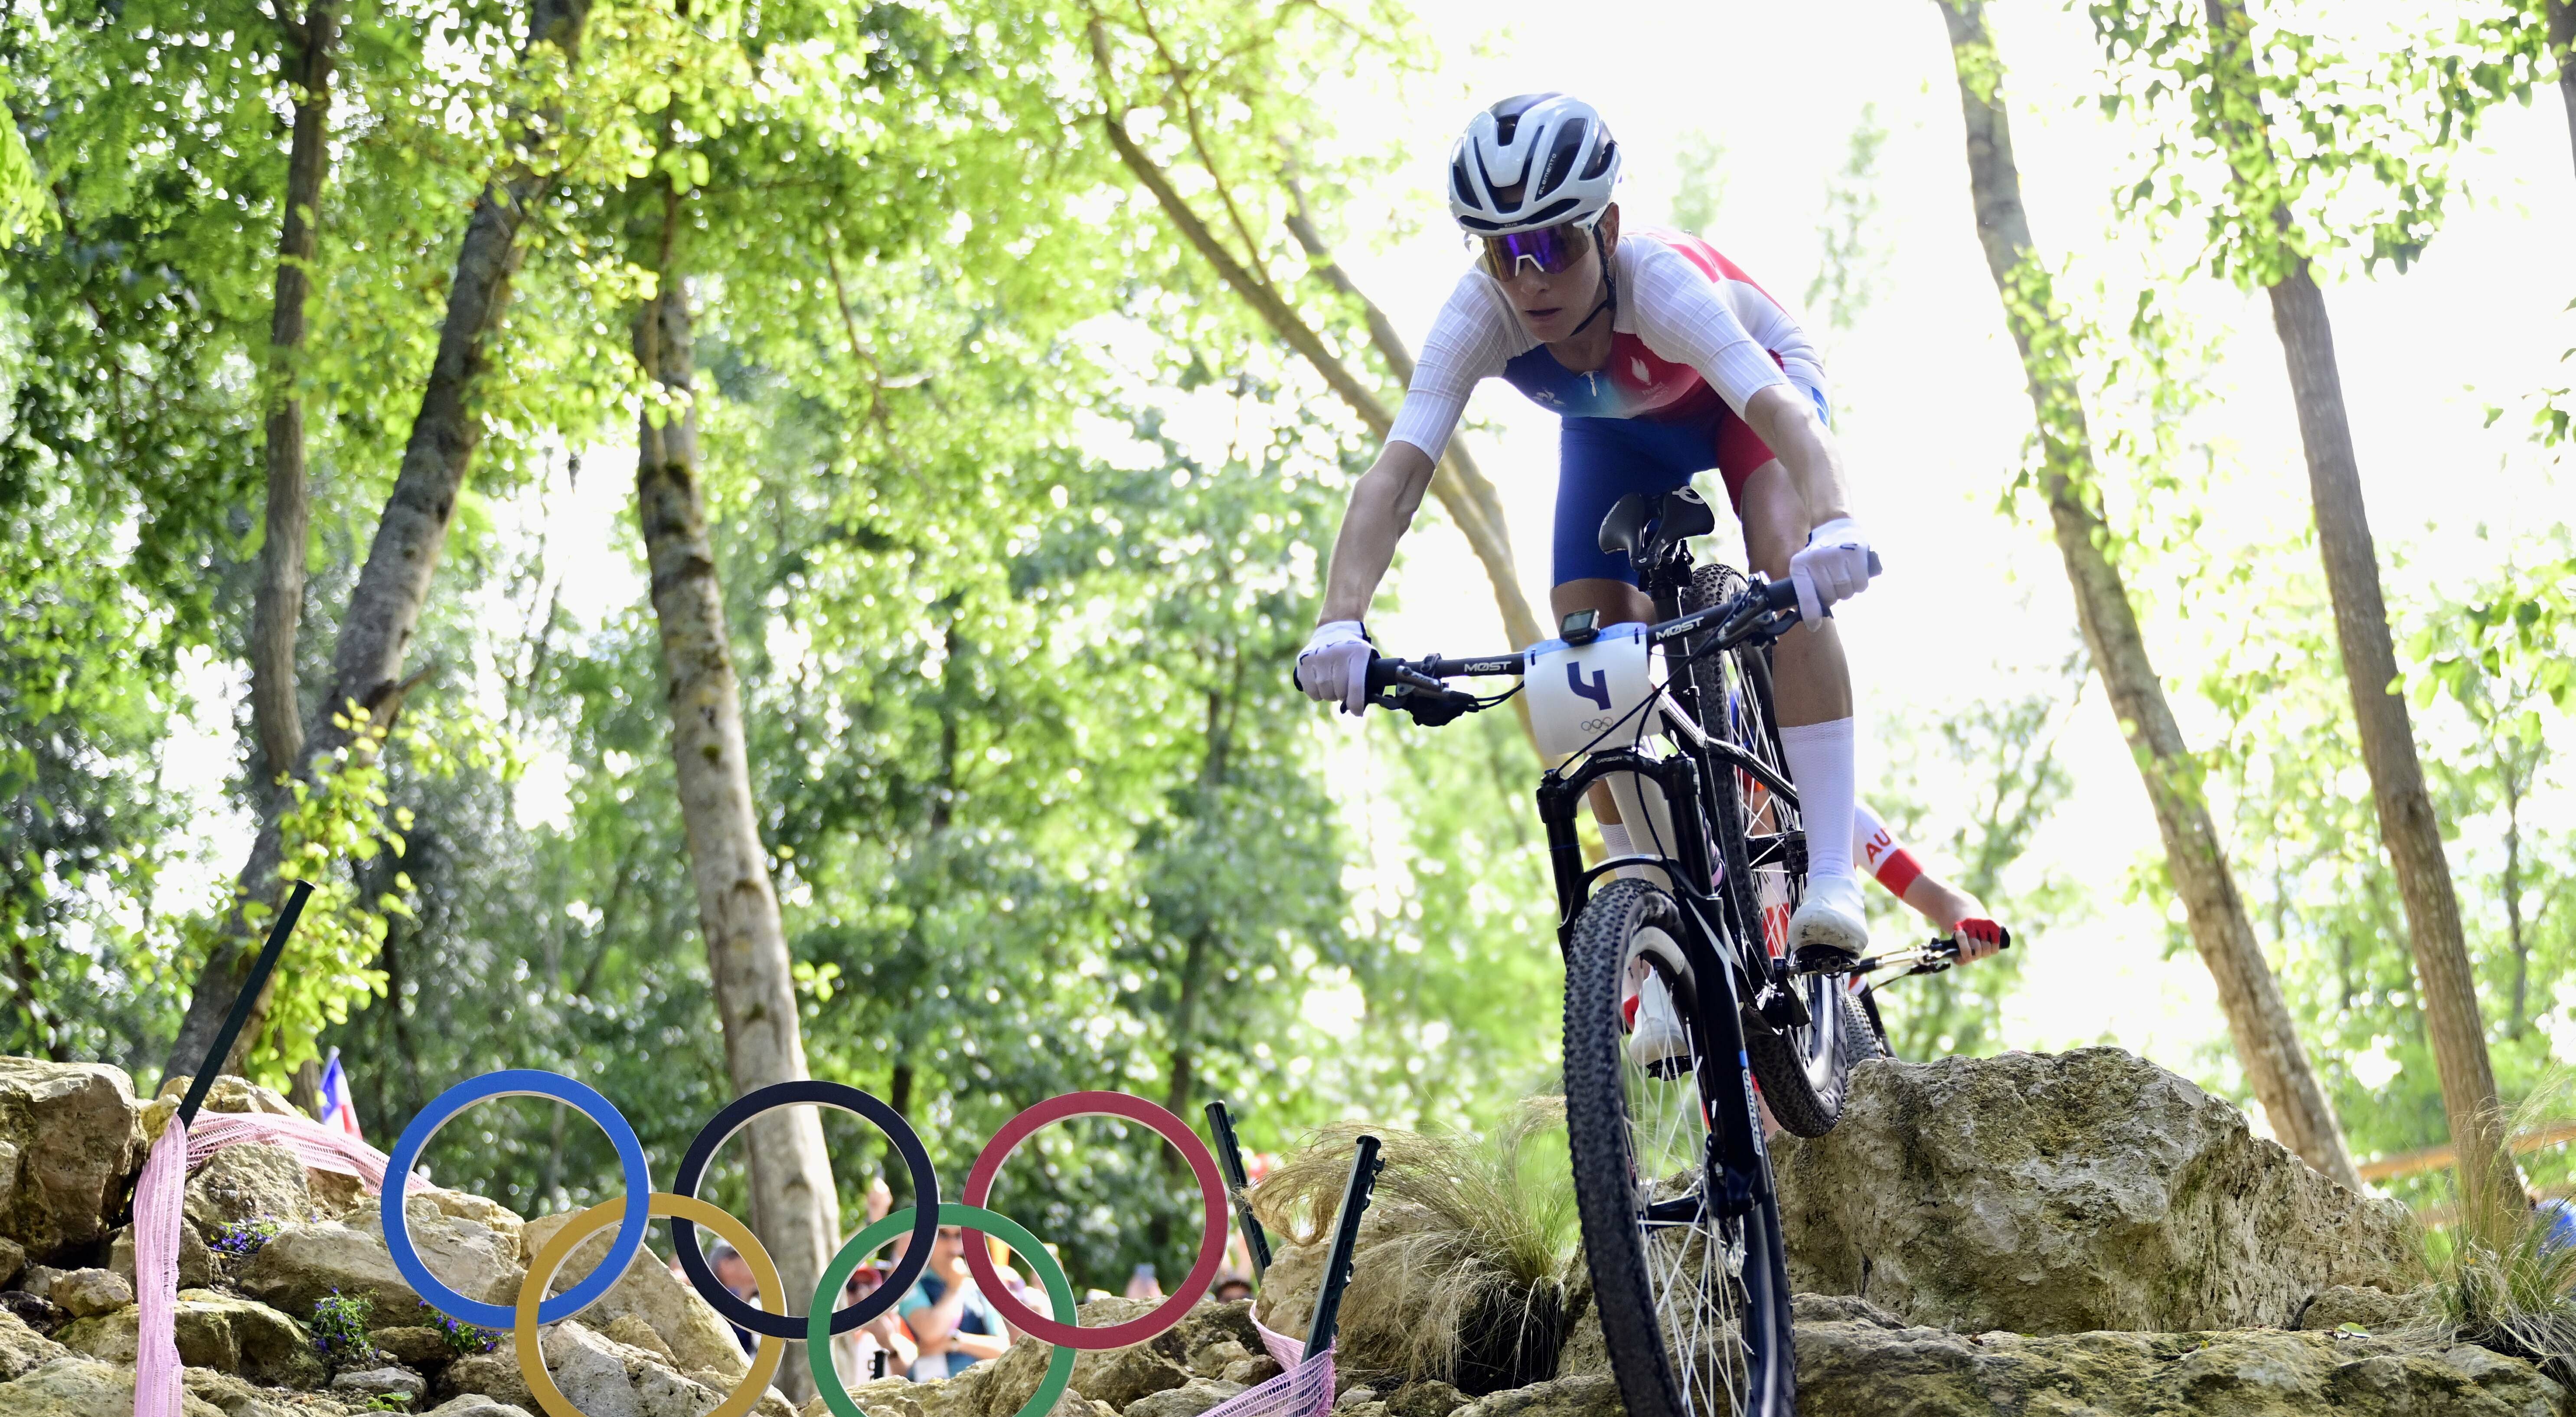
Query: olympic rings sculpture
x,y
686,1212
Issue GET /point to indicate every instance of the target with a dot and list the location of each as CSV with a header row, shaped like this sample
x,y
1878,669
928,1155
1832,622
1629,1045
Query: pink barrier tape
x,y
156,1273
1304,1390
322,1148
157,1198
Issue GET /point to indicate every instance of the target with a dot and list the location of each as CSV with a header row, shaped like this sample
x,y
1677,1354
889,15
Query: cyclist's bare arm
x,y
1785,418
1383,502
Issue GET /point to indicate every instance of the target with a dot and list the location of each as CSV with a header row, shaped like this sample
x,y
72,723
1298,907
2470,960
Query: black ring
x,y
916,1159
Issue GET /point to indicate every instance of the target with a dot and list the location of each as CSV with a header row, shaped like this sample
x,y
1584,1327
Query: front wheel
x,y
1694,1302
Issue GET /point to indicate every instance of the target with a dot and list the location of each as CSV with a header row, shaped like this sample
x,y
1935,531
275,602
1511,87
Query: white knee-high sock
x,y
1615,841
1820,762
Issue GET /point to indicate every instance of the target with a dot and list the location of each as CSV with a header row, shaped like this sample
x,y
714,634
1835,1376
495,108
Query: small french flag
x,y
337,1109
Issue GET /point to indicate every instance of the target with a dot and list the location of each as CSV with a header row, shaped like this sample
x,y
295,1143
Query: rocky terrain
x,y
2078,1234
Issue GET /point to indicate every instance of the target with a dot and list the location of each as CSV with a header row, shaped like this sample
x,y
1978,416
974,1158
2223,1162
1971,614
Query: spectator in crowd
x,y
734,1273
953,1324
1230,1287
882,1347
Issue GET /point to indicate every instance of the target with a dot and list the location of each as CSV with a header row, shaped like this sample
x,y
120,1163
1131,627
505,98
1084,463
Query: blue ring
x,y
516,1082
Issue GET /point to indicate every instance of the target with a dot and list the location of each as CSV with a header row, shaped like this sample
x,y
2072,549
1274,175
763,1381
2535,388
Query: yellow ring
x,y
551,1256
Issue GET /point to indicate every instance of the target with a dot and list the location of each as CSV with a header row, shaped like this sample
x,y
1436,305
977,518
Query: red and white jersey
x,y
1689,322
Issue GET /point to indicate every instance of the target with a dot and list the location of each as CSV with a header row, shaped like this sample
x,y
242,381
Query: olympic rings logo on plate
x,y
772,1322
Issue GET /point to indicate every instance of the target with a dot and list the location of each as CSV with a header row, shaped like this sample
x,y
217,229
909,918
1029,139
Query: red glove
x,y
1980,938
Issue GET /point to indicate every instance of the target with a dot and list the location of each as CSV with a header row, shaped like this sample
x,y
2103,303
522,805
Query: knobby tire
x,y
1694,1307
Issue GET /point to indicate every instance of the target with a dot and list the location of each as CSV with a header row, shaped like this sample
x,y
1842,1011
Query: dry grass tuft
x,y
1469,1255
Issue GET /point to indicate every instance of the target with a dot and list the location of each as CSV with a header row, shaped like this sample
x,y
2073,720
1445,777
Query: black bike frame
x,y
1723,966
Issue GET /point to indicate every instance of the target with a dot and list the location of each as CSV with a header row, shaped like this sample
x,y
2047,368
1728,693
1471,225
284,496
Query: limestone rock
x,y
390,1380
2065,1193
86,1292
1212,1358
1252,1372
110,1338
1425,1399
301,1263
1585,1396
38,1279
605,1378
413,1345
248,1182
196,1262
494,1375
22,1349
69,1144
229,1094
1188,1400
1860,1369
13,1258
83,1387
216,1331
635,1333
698,1338
878,1397
2373,1310
1119,1377
1587,1350
235,1397
475,1404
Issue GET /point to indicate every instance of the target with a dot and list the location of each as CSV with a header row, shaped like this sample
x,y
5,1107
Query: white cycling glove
x,y
1333,667
1834,565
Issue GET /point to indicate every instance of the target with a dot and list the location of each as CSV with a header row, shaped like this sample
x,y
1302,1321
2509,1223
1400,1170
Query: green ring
x,y
827,1293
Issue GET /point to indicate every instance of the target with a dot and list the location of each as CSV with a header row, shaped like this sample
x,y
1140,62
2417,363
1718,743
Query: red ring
x,y
988,1164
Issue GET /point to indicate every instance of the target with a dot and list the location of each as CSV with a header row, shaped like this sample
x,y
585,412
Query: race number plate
x,y
1585,698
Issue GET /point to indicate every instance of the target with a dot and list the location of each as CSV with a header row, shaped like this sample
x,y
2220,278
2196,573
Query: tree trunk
x,y
794,1208
2267,1041
386,603
1464,494
2562,42
2407,826
2512,883
277,721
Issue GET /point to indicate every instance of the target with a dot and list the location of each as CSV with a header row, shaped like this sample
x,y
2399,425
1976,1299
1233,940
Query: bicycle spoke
x,y
1691,1257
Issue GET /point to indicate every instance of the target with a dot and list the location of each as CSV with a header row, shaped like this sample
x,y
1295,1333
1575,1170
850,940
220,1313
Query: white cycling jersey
x,y
1687,319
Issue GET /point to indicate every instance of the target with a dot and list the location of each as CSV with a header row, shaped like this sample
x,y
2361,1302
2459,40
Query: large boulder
x,y
2072,1192
302,1263
70,1145
22,1349
83,1387
1875,1366
698,1338
250,1182
196,1262
218,1331
1121,1377
605,1378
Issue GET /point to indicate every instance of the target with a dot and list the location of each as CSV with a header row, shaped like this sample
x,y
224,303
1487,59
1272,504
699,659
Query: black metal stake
x,y
1346,1238
243,1003
1229,1158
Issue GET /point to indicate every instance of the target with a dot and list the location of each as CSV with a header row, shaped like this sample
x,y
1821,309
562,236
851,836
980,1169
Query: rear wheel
x,y
1694,1303
1804,1068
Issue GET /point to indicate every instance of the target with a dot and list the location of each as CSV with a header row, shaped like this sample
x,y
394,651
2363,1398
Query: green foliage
x,y
1701,193
1970,801
340,1325
1847,279
1466,1269
2294,144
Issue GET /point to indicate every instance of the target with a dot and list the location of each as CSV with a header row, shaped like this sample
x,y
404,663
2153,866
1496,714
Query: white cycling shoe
x,y
1829,931
1657,1041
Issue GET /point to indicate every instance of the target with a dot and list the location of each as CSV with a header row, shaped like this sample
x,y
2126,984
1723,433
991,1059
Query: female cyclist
x,y
1664,360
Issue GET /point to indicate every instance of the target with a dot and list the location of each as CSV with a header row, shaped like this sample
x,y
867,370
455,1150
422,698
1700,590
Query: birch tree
x,y
2266,1037
2311,154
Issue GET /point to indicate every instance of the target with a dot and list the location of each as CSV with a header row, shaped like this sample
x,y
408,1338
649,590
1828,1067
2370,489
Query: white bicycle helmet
x,y
1532,161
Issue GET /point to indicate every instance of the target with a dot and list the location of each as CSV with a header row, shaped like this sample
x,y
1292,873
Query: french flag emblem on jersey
x,y
337,1109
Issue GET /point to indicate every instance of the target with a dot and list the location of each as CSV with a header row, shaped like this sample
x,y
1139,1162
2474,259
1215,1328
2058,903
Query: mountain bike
x,y
1679,994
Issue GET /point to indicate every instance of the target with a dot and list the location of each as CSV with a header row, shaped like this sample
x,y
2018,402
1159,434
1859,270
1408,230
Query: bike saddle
x,y
1624,529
